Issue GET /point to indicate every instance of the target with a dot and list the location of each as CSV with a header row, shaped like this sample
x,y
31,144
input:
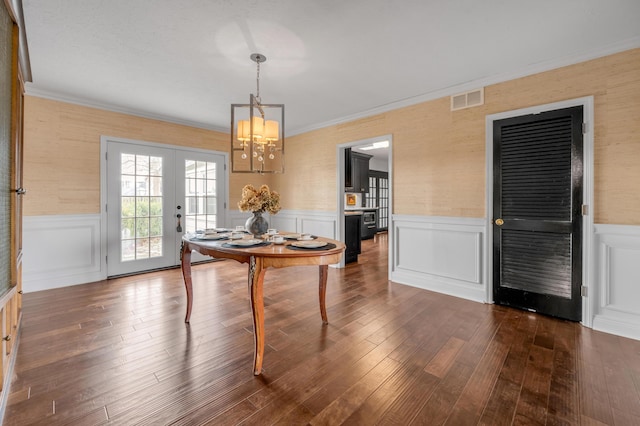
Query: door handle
x,y
179,227
21,191
499,222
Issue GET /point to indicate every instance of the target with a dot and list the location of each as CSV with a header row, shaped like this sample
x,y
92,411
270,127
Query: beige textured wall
x,y
439,156
62,153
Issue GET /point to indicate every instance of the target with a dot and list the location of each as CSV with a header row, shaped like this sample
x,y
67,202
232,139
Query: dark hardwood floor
x,y
118,352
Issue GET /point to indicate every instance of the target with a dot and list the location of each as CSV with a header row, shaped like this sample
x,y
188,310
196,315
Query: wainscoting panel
x,y
435,253
323,224
283,222
442,254
60,251
617,278
322,227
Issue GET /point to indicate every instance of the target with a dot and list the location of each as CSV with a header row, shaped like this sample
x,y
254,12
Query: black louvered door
x,y
537,208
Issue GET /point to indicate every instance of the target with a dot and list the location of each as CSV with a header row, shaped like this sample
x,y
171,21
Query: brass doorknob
x,y
499,222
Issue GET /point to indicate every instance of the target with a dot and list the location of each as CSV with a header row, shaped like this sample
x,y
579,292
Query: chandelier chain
x,y
258,82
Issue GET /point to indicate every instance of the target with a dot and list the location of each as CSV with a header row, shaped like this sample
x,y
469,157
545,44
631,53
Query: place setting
x,y
238,240
299,237
215,234
296,241
246,243
309,242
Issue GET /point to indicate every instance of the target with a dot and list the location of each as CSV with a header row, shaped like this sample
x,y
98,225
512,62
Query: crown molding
x,y
532,69
30,90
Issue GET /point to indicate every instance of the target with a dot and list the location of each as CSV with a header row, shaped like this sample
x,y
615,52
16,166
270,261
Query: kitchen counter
x,y
353,212
353,209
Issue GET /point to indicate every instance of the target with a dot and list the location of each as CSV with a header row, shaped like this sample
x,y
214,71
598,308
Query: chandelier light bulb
x,y
271,156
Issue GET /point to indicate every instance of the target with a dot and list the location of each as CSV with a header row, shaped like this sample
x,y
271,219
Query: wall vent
x,y
467,99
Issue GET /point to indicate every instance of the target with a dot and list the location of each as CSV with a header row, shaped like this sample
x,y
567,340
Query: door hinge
x,y
225,166
584,291
106,259
585,210
106,155
106,209
584,128
225,204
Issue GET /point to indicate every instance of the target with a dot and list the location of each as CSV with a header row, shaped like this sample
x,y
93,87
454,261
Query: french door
x,y
537,232
378,196
154,196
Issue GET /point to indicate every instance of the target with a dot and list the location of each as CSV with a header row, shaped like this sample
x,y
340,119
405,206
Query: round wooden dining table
x,y
259,257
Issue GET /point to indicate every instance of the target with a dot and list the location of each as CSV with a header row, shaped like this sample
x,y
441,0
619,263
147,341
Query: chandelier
x,y
257,133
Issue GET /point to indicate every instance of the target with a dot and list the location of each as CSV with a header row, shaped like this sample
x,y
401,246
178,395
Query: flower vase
x,y
256,224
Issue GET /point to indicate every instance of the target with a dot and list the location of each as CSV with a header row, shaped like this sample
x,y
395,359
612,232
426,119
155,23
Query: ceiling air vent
x,y
467,99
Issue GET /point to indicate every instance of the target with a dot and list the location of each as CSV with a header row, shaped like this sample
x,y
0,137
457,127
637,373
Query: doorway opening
x,y
354,198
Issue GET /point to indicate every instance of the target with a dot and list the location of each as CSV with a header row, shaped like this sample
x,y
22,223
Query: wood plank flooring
x,y
118,352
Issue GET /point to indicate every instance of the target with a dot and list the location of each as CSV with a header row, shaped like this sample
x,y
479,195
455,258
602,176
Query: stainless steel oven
x,y
369,223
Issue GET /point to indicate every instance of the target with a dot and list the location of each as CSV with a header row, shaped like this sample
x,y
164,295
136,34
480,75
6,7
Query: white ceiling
x,y
327,60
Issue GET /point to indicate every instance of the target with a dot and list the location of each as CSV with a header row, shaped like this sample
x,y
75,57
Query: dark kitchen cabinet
x,y
352,236
356,171
360,172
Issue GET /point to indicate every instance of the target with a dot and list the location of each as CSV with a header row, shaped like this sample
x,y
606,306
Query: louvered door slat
x,y
536,196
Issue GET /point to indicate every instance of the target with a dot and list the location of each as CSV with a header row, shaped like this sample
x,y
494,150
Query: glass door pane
x,y
140,208
201,206
202,191
154,196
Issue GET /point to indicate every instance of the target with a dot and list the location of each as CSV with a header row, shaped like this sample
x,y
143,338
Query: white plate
x,y
309,244
212,236
244,243
291,236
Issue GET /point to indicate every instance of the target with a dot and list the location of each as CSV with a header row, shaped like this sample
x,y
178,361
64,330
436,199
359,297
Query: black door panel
x,y
537,210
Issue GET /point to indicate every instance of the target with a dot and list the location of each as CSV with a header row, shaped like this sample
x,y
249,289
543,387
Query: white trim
x,y
61,251
617,266
30,90
66,250
321,223
340,187
587,194
441,254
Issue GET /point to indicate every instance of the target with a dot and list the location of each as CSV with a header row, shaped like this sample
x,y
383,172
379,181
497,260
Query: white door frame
x,y
340,190
587,197
103,184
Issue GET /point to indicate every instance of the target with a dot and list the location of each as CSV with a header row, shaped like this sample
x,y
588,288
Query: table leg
x,y
185,255
256,281
324,271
